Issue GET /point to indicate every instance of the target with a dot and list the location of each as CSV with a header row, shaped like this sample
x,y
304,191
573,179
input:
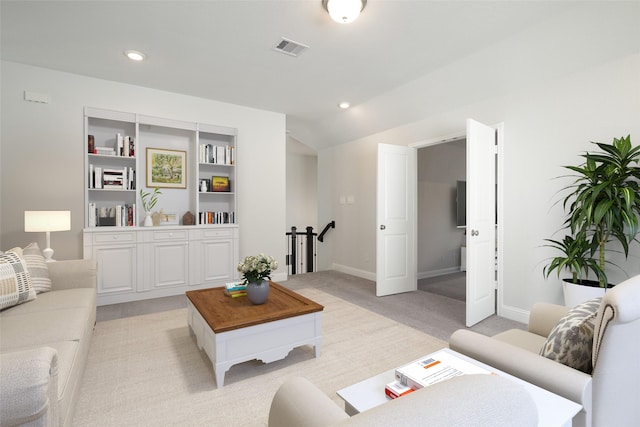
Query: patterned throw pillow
x,y
571,340
15,281
37,268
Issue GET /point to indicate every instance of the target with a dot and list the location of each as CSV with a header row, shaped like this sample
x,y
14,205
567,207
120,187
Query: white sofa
x,y
468,400
44,345
609,394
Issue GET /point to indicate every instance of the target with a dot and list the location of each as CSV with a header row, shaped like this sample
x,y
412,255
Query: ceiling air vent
x,y
290,47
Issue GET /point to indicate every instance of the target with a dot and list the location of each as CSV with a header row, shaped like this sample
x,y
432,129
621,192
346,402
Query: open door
x,y
481,222
396,247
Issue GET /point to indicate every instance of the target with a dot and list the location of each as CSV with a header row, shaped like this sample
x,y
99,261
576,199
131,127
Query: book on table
x,y
396,389
434,368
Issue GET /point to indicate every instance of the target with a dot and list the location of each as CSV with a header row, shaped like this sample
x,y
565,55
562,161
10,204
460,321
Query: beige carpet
x,y
147,370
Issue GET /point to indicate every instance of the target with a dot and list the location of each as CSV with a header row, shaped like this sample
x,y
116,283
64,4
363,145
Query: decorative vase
x,y
148,221
257,292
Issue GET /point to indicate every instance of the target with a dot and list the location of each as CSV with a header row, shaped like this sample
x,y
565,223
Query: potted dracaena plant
x,y
603,207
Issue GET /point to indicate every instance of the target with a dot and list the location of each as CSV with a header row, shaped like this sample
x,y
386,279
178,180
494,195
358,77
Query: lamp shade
x,y
38,221
344,11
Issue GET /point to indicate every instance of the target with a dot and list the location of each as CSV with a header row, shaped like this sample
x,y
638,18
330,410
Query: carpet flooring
x,y
448,285
146,370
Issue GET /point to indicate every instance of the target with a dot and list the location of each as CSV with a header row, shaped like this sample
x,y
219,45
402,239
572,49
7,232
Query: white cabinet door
x,y
166,265
116,268
215,256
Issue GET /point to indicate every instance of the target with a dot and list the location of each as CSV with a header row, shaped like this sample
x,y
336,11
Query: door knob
x,y
475,232
383,227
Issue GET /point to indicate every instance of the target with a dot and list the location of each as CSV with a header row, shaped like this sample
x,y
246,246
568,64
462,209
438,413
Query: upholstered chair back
x,y
616,357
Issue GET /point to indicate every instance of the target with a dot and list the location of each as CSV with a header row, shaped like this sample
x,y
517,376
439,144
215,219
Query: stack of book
x,y
235,289
429,370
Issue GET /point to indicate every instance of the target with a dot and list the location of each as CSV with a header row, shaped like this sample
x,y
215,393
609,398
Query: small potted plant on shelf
x,y
603,206
149,201
255,270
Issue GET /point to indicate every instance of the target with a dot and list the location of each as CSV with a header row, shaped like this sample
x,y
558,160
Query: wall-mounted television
x,y
461,203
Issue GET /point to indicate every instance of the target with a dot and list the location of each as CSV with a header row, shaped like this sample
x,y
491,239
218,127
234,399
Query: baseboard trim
x,y
513,313
354,272
441,272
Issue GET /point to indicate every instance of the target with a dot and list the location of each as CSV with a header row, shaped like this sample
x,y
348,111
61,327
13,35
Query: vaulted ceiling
x,y
222,50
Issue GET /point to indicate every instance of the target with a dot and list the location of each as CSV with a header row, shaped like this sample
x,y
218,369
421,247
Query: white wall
x,y
302,191
546,125
43,147
439,241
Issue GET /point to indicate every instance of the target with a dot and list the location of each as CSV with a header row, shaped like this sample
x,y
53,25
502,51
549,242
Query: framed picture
x,y
168,218
166,168
220,184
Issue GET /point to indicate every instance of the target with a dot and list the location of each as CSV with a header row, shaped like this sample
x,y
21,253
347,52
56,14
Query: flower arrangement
x,y
257,268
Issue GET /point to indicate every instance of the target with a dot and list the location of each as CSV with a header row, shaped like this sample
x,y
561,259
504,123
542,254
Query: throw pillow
x,y
38,268
571,340
15,280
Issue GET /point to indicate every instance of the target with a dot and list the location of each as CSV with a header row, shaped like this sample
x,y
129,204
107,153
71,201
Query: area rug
x,y
148,371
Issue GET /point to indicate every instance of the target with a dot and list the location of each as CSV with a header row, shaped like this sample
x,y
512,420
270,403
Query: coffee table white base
x,y
267,342
553,410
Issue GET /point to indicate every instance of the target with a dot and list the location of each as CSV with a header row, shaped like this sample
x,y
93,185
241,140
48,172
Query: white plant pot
x,y
575,294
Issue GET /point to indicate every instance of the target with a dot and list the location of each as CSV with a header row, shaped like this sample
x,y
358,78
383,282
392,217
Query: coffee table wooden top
x,y
224,313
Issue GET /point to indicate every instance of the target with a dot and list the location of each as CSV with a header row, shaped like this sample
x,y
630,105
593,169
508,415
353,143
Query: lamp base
x,y
48,254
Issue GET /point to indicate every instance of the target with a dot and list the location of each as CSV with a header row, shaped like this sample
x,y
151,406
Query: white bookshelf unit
x,y
136,262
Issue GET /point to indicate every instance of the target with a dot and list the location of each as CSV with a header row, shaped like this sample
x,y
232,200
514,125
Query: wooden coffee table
x,y
232,330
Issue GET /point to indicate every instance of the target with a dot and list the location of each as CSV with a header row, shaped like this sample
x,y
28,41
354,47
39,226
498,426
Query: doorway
x,y
441,236
484,199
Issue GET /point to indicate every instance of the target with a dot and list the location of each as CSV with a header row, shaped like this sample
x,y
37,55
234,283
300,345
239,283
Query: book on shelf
x,y
106,216
216,154
216,217
97,177
125,145
112,179
396,389
436,367
104,151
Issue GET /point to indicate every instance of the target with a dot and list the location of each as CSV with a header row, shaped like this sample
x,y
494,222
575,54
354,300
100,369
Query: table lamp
x,y
47,221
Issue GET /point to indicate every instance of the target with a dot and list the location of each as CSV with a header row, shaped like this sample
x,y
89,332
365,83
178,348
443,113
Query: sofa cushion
x,y
15,280
523,339
37,268
571,340
57,300
29,329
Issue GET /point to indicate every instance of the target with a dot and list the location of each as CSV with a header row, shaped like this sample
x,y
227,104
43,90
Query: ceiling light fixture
x,y
134,55
344,105
344,11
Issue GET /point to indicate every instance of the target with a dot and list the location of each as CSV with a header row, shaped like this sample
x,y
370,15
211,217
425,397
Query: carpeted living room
x,y
144,367
281,213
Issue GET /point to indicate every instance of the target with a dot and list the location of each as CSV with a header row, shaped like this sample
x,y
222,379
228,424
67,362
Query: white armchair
x,y
609,395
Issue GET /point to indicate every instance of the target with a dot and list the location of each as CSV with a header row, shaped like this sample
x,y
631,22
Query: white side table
x,y
553,410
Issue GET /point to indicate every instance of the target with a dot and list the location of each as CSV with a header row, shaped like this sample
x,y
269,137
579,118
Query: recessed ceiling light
x,y
344,105
134,55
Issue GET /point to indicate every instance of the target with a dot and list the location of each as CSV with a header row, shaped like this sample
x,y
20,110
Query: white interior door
x,y
396,247
481,222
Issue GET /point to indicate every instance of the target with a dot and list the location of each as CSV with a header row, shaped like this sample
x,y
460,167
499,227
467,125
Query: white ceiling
x,y
222,50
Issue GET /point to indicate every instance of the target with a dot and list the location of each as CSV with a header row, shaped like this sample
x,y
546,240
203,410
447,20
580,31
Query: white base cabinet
x,y
136,263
